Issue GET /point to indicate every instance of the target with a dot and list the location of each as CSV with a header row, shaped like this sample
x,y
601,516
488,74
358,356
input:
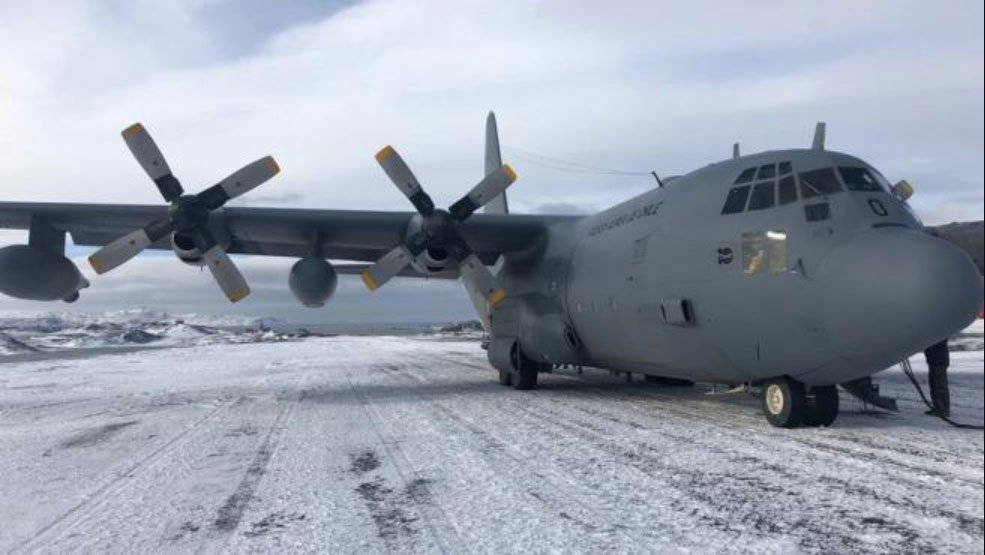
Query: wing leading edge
x,y
355,235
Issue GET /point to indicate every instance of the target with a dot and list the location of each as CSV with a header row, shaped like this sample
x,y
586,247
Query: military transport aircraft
x,y
792,270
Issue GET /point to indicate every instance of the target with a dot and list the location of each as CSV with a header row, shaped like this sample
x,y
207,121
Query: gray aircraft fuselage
x,y
835,283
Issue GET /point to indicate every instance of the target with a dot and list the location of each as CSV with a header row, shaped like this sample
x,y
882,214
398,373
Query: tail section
x,y
498,205
494,161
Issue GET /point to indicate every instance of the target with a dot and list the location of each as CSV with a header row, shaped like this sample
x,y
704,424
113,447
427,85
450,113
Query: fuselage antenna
x,y
657,177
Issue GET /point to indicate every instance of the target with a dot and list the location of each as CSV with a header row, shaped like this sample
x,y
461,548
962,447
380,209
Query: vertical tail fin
x,y
498,205
494,161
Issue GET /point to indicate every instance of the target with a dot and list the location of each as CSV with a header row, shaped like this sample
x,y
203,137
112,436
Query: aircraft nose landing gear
x,y
787,403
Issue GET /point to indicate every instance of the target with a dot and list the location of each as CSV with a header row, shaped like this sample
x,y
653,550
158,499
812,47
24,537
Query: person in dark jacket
x,y
938,359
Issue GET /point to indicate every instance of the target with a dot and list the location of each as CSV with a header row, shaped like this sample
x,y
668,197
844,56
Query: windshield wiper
x,y
813,188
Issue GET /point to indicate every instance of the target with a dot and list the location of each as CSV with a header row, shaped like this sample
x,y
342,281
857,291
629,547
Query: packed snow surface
x,y
377,444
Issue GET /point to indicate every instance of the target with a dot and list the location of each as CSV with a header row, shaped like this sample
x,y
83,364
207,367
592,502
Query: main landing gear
x,y
523,374
788,403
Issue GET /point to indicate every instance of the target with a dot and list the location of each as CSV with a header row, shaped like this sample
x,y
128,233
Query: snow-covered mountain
x,y
28,333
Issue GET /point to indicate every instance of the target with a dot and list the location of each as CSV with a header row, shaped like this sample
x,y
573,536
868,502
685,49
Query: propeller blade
x,y
480,279
226,273
150,158
241,181
398,172
128,246
385,268
489,188
475,274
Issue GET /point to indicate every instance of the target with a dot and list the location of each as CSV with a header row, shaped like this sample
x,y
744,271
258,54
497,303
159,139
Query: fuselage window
x,y
817,212
767,172
753,252
746,176
820,182
763,196
736,200
764,250
785,168
859,179
778,250
788,190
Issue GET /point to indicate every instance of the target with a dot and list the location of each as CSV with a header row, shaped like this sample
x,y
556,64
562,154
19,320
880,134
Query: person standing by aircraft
x,y
938,359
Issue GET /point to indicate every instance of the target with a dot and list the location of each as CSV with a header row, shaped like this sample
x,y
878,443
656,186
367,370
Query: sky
x,y
633,86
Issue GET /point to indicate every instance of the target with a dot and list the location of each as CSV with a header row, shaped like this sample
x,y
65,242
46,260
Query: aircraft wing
x,y
354,235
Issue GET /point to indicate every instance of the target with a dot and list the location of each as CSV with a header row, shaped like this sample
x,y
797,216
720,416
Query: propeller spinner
x,y
439,228
188,214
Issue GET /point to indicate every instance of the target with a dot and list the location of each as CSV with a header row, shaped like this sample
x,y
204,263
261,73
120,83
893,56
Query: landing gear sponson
x,y
788,403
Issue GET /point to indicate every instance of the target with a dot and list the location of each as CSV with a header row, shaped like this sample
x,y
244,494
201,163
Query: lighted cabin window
x,y
763,196
787,190
736,200
785,168
859,179
777,241
767,172
764,250
746,176
753,252
819,183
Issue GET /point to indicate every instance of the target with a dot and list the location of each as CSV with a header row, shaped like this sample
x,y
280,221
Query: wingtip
x,y
368,281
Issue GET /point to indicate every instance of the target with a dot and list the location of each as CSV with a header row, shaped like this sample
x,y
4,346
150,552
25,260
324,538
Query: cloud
x,y
637,86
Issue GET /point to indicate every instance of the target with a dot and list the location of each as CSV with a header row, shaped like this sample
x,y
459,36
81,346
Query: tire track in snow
x,y
513,462
97,499
230,514
431,512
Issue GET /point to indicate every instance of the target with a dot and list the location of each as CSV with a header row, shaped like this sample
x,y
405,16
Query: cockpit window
x,y
820,182
746,176
767,172
785,168
788,190
736,200
859,179
763,196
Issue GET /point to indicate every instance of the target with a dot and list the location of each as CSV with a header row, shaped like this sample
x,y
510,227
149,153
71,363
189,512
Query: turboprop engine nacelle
x,y
185,249
312,281
38,274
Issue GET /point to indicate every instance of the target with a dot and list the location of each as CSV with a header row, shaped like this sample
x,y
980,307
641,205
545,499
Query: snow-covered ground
x,y
408,444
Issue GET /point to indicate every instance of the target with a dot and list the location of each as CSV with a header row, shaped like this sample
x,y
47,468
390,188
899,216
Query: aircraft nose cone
x,y
893,292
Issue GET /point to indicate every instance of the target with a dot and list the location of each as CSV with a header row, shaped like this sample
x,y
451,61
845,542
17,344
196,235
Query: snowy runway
x,y
409,444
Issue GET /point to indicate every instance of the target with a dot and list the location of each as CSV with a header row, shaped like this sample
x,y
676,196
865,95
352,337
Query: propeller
x,y
439,228
188,214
